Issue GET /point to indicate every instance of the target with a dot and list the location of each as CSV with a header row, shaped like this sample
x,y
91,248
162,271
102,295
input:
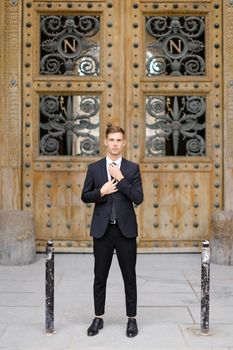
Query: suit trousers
x,y
126,250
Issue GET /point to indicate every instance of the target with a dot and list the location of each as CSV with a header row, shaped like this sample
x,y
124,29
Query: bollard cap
x,y
205,244
50,243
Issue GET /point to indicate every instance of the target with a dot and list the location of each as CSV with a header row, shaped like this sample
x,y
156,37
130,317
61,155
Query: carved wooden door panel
x,y
174,116
73,74
154,68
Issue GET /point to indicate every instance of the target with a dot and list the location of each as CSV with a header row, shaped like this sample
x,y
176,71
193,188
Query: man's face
x,y
115,144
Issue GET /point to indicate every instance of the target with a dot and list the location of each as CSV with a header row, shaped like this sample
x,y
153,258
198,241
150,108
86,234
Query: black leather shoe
x,y
132,328
97,323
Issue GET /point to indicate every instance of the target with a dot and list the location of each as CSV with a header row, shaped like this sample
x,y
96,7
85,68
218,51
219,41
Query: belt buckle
x,y
113,222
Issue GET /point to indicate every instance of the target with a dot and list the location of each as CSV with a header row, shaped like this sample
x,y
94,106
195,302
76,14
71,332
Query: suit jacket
x,y
129,192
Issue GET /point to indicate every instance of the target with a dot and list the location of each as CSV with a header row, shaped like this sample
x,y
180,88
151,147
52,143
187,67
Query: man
x,y
114,184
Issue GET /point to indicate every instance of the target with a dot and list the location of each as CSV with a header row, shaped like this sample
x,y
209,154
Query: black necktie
x,y
113,209
111,175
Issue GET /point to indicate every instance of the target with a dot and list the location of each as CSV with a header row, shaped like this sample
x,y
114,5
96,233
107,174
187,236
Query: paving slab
x,y
220,298
27,314
21,299
159,285
2,328
33,347
220,335
164,315
167,299
216,285
218,314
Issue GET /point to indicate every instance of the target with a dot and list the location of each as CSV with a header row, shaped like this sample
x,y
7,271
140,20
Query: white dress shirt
x,y
109,161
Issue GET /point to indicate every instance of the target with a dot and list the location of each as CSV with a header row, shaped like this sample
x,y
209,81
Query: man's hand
x,y
108,188
115,172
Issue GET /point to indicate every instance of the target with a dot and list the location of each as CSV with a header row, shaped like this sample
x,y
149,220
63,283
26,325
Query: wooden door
x,y
174,116
155,69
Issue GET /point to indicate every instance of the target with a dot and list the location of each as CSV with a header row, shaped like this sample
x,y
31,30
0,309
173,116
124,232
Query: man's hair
x,y
113,129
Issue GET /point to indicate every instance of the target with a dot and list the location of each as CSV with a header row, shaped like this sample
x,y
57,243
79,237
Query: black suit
x,y
121,237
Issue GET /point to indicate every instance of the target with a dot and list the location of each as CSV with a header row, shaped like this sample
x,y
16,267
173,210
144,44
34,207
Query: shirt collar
x,y
117,161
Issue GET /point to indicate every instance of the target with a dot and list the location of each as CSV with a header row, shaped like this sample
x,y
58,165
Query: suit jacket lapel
x,y
104,170
123,166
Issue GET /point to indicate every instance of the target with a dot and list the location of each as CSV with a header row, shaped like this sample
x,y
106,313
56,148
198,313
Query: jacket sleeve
x,y
90,194
132,189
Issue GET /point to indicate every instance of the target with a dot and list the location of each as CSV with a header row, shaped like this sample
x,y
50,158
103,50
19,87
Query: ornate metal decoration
x,y
14,2
175,126
177,47
69,125
70,45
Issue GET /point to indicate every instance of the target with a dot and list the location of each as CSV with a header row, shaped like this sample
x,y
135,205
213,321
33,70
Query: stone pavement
x,y
168,305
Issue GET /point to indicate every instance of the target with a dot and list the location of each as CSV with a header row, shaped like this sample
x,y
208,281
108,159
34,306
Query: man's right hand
x,y
108,188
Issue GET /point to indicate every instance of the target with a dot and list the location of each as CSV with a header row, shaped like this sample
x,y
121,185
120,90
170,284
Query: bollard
x,y
49,289
205,287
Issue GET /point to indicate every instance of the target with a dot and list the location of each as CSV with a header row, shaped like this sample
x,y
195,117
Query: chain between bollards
x,y
205,287
49,289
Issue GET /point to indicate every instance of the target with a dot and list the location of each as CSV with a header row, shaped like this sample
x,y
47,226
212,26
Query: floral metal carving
x,y
177,47
70,45
69,125
175,126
